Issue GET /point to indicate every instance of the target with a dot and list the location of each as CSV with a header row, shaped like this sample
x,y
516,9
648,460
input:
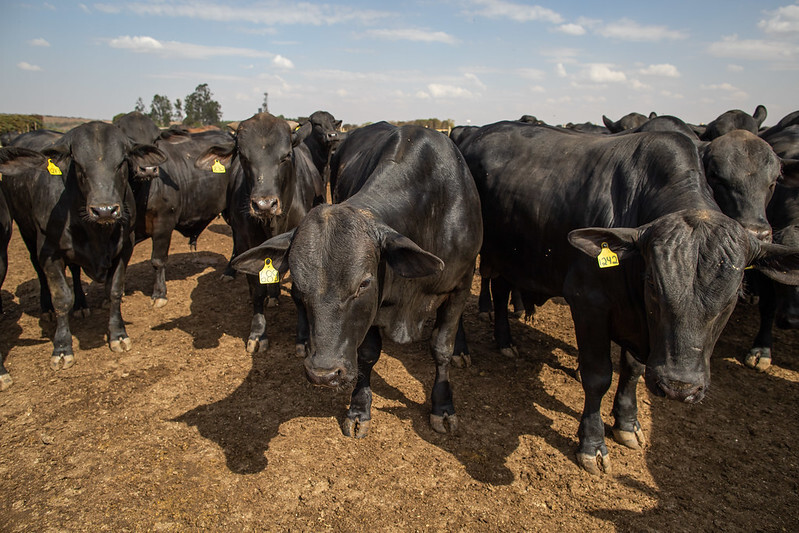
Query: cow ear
x,y
652,115
175,136
621,241
58,154
277,249
760,114
14,159
337,125
790,173
301,133
222,153
780,263
146,155
406,258
609,124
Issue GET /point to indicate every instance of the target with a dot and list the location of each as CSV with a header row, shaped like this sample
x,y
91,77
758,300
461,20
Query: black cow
x,y
181,197
73,205
629,121
273,184
785,141
734,119
322,141
778,303
138,126
37,139
556,202
587,127
789,120
5,237
401,242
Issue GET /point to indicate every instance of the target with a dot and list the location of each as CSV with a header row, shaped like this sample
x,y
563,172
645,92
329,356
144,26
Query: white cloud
x,y
726,91
629,30
734,68
571,29
664,69
560,70
267,13
282,62
531,73
27,66
474,79
146,44
39,42
640,86
438,90
515,12
782,20
753,49
410,34
84,8
603,73
537,89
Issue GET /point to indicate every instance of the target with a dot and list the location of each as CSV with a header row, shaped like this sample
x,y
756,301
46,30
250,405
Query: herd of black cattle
x,y
645,226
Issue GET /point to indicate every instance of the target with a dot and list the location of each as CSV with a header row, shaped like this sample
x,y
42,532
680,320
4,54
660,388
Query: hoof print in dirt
x,y
354,427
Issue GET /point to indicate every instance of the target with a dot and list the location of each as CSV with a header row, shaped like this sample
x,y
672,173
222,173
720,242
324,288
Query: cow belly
x,y
403,322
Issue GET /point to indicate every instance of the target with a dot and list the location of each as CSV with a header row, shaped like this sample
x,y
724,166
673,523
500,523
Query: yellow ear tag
x,y
52,168
217,167
268,274
606,258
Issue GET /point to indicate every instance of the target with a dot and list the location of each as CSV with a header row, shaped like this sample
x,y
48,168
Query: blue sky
x,y
473,61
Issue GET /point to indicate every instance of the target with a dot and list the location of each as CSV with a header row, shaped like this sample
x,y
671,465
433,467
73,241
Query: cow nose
x,y
682,391
105,213
332,136
761,232
266,205
327,377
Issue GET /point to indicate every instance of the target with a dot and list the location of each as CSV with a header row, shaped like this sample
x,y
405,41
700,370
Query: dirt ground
x,y
188,432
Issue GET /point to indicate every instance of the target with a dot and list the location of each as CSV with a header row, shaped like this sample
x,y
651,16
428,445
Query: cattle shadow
x,y
728,463
140,276
10,330
498,399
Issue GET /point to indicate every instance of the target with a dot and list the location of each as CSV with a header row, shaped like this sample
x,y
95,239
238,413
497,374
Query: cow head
x,y
629,121
735,119
326,129
101,158
338,257
694,262
264,146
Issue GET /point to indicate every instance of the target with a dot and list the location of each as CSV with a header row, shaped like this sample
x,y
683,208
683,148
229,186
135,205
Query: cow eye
x,y
286,158
363,286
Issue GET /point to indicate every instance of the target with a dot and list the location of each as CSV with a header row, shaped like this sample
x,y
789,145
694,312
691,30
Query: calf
x,y
322,141
73,205
400,242
556,202
273,184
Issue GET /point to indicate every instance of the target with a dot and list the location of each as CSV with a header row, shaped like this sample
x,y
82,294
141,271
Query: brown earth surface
x,y
188,432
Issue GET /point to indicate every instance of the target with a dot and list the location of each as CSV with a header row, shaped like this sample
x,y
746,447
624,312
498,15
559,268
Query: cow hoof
x,y
272,302
300,350
632,439
511,352
594,464
759,359
122,344
257,345
486,316
48,316
462,361
353,427
5,381
444,423
82,313
61,361
227,278
159,302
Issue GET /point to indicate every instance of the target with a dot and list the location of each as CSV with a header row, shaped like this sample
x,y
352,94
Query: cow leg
x,y
45,302
759,356
303,330
118,339
516,302
448,316
257,341
596,374
500,290
273,294
627,429
62,300
81,307
484,307
359,415
158,258
460,355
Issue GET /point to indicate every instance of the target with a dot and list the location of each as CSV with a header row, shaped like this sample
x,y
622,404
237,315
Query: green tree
x,y
161,110
178,112
201,108
139,105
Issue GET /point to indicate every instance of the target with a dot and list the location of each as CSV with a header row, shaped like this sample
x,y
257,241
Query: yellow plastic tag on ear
x,y
52,168
607,258
268,274
217,167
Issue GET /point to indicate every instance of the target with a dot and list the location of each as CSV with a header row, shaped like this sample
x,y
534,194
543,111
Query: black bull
x,y
401,242
681,261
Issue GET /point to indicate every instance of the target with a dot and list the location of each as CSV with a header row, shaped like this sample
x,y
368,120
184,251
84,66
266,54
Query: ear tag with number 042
x,y
607,258
52,168
217,167
268,274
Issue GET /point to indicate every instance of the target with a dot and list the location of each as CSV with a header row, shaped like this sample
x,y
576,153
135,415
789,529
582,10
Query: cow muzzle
x,y
326,377
104,214
266,206
682,391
